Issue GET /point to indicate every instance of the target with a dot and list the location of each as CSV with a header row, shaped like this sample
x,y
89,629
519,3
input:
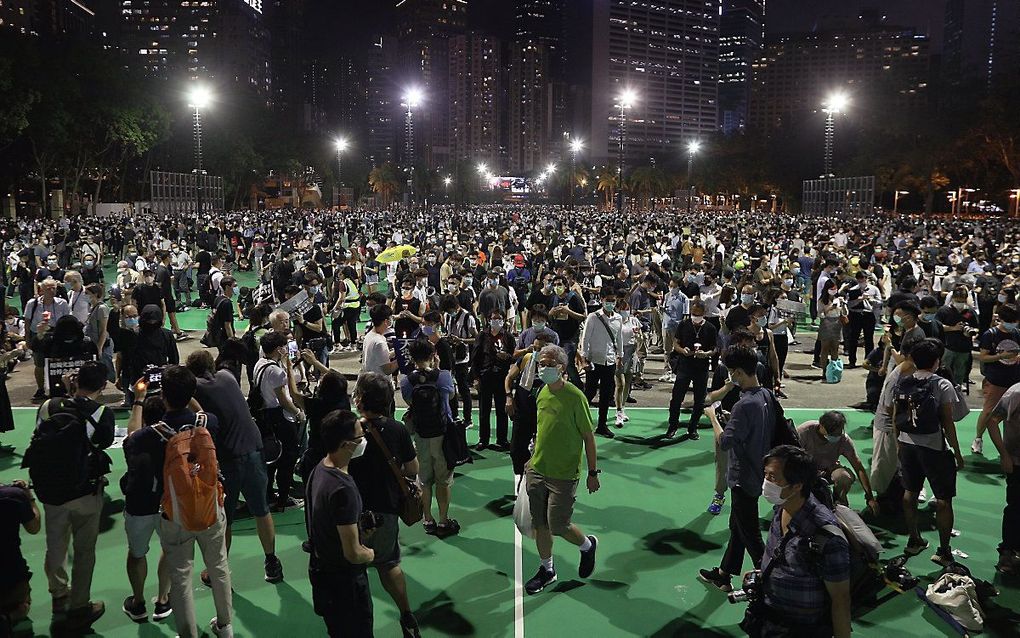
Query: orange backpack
x,y
192,493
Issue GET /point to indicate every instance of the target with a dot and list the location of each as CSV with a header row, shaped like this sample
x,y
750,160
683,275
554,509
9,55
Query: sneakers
x,y
619,419
922,496
161,610
39,396
915,546
665,377
715,578
943,556
430,527
692,435
978,446
409,625
671,430
226,631
587,564
605,431
274,569
623,413
541,580
1009,563
83,617
716,506
447,528
135,610
289,504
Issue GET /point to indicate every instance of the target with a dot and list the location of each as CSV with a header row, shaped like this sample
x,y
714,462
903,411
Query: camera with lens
x,y
368,522
153,379
750,590
317,344
896,574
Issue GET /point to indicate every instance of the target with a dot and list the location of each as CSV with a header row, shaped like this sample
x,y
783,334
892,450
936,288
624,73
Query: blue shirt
x,y
747,438
677,306
526,338
796,584
446,390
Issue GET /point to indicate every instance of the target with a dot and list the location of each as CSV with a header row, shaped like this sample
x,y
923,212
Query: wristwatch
x,y
592,473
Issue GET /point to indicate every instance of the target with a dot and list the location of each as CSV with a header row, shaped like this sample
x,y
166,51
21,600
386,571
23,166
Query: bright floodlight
x,y
199,97
413,97
693,147
837,103
576,145
551,168
447,181
483,169
627,98
341,144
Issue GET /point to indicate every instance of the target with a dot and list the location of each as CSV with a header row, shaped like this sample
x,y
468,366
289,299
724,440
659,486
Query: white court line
x,y
785,409
518,576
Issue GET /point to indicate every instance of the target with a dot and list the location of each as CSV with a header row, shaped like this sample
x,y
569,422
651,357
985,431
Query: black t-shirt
x,y
331,499
372,473
687,334
142,484
957,341
223,312
164,281
317,408
738,317
537,297
406,327
221,396
568,328
996,341
15,511
145,294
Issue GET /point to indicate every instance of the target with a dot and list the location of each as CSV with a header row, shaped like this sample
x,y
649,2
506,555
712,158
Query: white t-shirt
x,y
273,377
375,353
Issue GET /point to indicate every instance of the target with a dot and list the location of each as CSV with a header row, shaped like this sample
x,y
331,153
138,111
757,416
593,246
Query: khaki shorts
x,y
551,500
432,469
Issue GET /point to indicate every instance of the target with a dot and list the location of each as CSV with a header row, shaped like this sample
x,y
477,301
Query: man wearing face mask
x,y
539,326
676,306
493,296
694,343
746,438
490,363
959,322
90,272
805,574
826,441
1000,354
564,432
602,348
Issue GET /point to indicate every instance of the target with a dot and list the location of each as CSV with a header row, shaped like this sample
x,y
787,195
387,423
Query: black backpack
x,y
427,413
215,334
915,406
61,460
785,430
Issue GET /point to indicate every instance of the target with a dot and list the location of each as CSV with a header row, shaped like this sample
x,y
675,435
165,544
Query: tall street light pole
x,y
626,100
411,100
833,106
198,99
1015,196
341,146
896,200
575,146
692,149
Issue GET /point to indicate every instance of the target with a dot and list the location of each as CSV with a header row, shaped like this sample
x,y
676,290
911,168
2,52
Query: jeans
x,y
282,472
491,390
78,520
686,375
601,378
1011,514
745,533
570,347
461,373
179,550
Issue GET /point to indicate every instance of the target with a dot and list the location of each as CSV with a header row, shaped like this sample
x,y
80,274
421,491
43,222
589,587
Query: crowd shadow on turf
x,y
294,603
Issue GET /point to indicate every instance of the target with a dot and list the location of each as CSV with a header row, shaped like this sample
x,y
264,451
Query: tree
x,y
384,181
606,180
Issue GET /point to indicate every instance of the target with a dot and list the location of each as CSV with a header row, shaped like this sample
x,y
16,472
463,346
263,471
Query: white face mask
x,y
549,374
360,449
773,492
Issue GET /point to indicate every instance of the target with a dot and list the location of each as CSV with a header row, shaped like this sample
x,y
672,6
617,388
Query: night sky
x,y
798,16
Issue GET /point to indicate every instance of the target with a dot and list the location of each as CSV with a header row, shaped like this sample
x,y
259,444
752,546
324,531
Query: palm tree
x,y
383,180
606,181
648,182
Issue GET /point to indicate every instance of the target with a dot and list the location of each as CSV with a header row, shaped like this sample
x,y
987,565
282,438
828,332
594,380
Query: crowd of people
x,y
539,314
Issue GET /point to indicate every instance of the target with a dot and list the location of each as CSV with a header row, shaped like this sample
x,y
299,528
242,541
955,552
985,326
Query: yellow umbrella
x,y
396,253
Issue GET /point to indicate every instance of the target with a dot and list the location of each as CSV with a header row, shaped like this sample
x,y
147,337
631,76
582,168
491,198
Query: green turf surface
x,y
654,534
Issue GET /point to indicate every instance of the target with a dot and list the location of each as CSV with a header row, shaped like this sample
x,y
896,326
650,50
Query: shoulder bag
x,y
411,509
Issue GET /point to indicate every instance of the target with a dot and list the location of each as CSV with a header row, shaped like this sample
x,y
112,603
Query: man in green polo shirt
x,y
564,427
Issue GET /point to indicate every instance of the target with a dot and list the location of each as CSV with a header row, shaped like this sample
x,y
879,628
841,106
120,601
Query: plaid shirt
x,y
795,589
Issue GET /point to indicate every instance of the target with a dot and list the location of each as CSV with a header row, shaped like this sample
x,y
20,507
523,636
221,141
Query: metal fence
x,y
839,195
174,193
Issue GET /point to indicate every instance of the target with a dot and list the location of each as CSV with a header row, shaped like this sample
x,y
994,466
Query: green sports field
x,y
654,535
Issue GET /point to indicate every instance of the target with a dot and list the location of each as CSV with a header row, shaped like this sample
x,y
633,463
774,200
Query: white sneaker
x,y
623,413
672,378
665,377
619,419
226,631
922,496
978,446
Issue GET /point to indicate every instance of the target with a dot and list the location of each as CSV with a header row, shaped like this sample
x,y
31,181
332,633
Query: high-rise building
x,y
16,16
741,41
424,28
982,41
382,101
797,73
49,18
475,97
226,41
667,52
529,106
285,20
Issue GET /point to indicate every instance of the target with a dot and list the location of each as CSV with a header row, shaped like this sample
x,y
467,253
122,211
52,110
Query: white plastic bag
x,y
522,512
958,595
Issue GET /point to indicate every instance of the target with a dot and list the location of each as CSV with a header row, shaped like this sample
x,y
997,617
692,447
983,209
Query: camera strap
x,y
779,555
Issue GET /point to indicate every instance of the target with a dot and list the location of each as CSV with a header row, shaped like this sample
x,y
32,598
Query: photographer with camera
x,y
17,510
274,378
803,587
336,567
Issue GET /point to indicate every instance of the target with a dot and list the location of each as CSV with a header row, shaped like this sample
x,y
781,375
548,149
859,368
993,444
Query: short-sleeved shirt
x,y
1008,409
220,394
444,384
272,378
996,341
796,583
911,338
15,511
331,499
563,420
223,313
375,352
378,487
944,393
825,453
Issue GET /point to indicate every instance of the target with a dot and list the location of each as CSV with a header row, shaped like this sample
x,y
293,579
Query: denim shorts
x,y
139,532
245,475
